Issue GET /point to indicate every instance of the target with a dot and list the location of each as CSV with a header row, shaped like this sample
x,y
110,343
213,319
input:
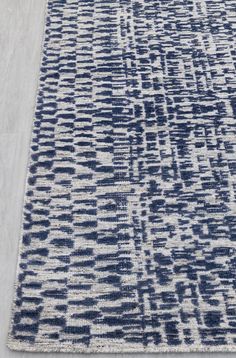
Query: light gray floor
x,y
21,30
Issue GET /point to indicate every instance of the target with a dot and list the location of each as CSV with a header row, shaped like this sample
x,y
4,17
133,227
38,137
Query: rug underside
x,y
128,239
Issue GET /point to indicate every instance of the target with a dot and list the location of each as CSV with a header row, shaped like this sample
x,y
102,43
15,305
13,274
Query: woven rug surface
x,y
128,239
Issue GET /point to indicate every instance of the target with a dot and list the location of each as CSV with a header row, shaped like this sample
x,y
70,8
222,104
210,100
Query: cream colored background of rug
x,y
21,31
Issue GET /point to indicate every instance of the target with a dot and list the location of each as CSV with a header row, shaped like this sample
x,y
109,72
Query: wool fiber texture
x,y
128,239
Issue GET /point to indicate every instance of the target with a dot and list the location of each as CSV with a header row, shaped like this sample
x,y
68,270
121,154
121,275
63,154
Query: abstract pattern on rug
x,y
129,225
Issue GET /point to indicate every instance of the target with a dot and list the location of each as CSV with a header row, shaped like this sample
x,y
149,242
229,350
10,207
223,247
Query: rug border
x,y
124,348
20,237
16,345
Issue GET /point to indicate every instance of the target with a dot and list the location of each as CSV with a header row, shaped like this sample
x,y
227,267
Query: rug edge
x,y
14,345
20,236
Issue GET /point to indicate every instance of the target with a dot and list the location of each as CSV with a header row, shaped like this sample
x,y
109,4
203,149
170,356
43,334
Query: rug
x,y
128,239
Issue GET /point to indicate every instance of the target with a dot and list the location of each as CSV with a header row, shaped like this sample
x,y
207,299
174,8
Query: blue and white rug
x,y
128,239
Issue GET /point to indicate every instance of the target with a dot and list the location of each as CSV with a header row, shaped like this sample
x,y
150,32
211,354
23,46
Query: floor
x,y
21,31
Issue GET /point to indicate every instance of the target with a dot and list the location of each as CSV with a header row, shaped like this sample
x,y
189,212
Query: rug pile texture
x,y
128,239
